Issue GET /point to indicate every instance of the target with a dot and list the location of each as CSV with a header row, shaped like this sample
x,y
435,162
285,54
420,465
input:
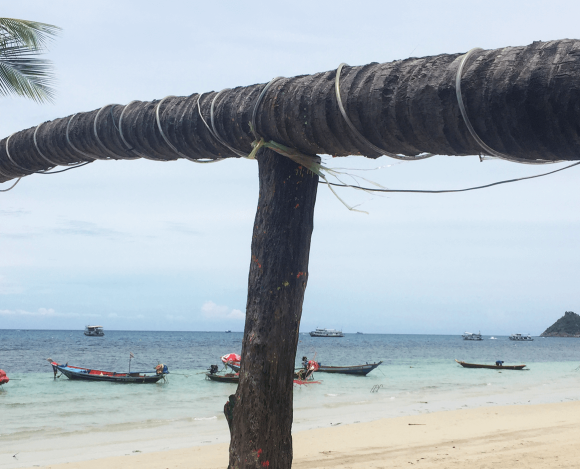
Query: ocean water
x,y
40,414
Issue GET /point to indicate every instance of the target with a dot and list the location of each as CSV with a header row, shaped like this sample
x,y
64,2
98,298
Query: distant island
x,y
567,326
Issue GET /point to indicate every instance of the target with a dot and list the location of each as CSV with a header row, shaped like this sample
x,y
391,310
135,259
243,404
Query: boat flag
x,y
131,355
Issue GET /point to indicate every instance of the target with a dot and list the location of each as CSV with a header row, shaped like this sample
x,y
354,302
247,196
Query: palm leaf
x,y
21,71
29,33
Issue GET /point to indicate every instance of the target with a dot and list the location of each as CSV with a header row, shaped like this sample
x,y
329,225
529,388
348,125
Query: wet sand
x,y
523,436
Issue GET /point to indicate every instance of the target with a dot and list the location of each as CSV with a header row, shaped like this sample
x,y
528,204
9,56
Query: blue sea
x,y
40,414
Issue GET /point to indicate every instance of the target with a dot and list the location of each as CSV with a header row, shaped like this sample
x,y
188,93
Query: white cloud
x,y
43,313
215,311
236,314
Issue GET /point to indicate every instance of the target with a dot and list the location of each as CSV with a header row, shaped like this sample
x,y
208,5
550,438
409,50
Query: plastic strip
x,y
361,137
214,130
114,155
14,162
481,143
38,148
129,147
170,144
257,105
86,155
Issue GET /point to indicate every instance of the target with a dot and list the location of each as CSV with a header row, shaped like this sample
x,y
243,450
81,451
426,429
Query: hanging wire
x,y
370,189
12,186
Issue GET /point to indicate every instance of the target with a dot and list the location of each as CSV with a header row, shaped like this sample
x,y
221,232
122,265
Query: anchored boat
x,y
88,374
94,331
472,336
362,370
521,337
491,367
326,333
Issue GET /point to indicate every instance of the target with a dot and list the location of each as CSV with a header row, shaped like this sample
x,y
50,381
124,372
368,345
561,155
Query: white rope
x,y
215,131
14,162
37,147
482,144
361,137
114,155
69,141
129,147
170,144
253,128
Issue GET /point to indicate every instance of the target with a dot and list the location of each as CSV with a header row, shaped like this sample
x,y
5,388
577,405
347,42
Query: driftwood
x,y
522,101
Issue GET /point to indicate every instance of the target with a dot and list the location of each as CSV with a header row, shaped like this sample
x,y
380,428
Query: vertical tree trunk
x,y
262,409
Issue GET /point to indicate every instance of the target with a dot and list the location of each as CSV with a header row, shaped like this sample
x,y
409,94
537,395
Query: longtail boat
x,y
227,378
491,367
88,374
362,370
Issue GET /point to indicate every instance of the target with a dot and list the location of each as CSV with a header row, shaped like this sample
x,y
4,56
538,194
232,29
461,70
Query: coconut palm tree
x,y
519,103
21,71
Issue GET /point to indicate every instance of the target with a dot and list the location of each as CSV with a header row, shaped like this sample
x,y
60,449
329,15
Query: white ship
x,y
95,331
326,333
472,336
521,337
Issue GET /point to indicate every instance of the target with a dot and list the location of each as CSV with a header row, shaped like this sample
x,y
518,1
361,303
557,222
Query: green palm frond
x,y
29,33
21,71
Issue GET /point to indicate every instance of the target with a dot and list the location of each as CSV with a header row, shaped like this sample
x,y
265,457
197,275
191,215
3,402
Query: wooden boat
x,y
227,378
491,367
87,374
362,370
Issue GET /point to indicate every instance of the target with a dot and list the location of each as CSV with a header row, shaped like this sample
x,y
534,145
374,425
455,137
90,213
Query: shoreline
x,y
533,435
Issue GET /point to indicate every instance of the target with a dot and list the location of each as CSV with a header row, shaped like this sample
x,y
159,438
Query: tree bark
x,y
262,415
523,101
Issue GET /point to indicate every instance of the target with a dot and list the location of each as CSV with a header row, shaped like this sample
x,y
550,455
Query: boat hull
x,y
228,378
85,374
361,370
491,367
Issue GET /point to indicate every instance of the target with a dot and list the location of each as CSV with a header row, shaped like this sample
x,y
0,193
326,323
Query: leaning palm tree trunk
x,y
523,102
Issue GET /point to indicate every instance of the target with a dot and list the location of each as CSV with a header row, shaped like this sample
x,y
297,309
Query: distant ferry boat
x,y
326,333
521,337
472,336
95,331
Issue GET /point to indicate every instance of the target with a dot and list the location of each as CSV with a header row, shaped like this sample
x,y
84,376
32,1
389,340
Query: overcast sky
x,y
166,246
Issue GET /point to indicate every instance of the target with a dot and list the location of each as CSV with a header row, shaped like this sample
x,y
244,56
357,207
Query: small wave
x,y
331,395
205,418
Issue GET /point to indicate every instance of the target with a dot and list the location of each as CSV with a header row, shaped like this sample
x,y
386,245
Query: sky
x,y
143,245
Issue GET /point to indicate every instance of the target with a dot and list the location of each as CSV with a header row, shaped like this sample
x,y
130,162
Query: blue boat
x,y
87,374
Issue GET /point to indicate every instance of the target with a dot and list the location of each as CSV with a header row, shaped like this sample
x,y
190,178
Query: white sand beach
x,y
522,436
